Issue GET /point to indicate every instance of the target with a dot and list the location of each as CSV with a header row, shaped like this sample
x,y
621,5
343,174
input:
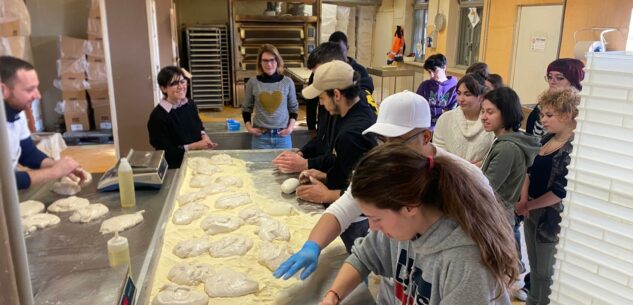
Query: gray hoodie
x,y
442,266
506,165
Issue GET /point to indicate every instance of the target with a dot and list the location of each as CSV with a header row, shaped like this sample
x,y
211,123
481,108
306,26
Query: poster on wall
x,y
538,43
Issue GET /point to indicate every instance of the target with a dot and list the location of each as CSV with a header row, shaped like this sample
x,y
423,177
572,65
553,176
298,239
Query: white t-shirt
x,y
18,131
347,211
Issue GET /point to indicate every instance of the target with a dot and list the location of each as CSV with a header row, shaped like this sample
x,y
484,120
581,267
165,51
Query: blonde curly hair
x,y
564,102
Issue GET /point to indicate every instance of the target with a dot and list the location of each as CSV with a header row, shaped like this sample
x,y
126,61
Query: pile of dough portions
x,y
225,237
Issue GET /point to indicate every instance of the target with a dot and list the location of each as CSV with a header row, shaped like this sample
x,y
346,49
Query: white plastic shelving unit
x,y
594,263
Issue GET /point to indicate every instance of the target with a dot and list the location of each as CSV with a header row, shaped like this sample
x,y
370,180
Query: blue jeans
x,y
271,139
354,231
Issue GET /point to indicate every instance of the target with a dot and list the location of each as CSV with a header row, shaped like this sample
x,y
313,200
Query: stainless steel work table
x,y
69,253
241,139
391,72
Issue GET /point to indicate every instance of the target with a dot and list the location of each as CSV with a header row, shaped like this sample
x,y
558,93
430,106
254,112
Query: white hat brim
x,y
387,130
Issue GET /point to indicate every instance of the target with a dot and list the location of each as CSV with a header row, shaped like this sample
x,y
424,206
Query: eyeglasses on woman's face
x,y
177,82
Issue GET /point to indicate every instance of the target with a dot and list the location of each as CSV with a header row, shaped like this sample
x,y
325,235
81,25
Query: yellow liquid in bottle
x,y
119,257
126,189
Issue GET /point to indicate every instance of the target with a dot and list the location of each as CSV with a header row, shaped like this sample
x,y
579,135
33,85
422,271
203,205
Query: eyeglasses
x,y
269,61
558,78
382,139
177,82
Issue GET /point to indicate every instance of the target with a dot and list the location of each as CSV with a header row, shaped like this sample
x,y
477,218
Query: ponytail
x,y
392,176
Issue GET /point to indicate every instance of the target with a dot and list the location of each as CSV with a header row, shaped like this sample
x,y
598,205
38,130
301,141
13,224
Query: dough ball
x,y
232,245
68,204
192,247
190,274
290,185
229,283
216,224
189,213
232,200
171,294
221,159
230,181
31,207
89,213
66,187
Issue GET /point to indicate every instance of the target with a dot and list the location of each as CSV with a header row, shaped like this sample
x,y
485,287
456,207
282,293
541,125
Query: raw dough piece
x,y
232,200
252,216
200,165
191,197
290,185
39,221
221,159
66,187
271,229
216,224
271,256
199,181
189,213
88,176
31,207
171,294
232,245
279,209
214,188
190,274
192,247
230,181
89,213
229,283
68,204
121,222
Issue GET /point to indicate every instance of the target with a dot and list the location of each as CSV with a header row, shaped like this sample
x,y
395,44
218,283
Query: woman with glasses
x,y
544,189
563,73
460,131
273,98
174,125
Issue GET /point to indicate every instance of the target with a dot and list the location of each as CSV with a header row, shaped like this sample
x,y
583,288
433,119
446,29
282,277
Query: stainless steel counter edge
x,y
155,246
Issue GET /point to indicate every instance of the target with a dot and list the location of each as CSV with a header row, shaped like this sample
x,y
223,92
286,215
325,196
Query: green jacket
x,y
506,165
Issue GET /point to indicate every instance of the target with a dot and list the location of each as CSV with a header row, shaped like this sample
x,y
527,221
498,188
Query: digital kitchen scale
x,y
149,168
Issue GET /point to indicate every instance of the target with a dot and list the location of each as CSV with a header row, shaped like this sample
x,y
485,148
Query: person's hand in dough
x,y
290,162
306,259
64,167
316,192
310,174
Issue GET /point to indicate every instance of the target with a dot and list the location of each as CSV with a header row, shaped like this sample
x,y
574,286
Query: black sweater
x,y
172,131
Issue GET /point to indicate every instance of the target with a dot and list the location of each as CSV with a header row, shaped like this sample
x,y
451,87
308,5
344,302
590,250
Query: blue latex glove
x,y
306,258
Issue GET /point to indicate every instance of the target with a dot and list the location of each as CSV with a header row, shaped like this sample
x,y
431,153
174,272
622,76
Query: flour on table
x,y
192,247
185,215
229,283
190,274
215,188
199,181
279,209
232,245
216,224
230,181
221,159
252,216
89,213
191,197
68,204
171,294
121,222
272,255
31,207
232,200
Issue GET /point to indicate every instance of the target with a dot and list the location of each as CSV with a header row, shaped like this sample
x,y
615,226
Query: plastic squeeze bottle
x,y
126,184
118,250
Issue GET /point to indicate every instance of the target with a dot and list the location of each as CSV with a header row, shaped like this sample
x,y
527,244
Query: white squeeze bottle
x,y
118,250
126,184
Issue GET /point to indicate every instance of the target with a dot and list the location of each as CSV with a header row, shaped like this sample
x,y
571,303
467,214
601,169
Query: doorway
x,y
537,42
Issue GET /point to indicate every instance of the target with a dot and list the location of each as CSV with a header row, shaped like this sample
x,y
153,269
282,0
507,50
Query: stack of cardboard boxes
x,y
10,42
97,77
71,72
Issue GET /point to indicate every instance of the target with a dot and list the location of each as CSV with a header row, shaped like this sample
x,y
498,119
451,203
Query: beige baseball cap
x,y
335,74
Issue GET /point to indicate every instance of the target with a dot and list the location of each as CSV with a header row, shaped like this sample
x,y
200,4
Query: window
x,y
470,12
418,35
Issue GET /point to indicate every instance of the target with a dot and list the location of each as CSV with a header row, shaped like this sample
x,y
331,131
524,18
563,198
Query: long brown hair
x,y
270,49
393,175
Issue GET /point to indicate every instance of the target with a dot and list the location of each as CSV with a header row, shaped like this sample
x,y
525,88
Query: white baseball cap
x,y
335,74
400,113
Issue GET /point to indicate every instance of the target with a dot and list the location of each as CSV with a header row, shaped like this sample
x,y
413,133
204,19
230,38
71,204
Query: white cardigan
x,y
457,135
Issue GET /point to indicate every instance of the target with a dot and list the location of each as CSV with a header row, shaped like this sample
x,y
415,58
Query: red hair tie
x,y
431,162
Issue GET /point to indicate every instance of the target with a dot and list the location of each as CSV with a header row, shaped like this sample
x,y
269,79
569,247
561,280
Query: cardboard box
x,y
94,49
95,37
94,26
98,94
74,95
71,66
71,47
13,46
71,83
102,117
76,115
9,27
